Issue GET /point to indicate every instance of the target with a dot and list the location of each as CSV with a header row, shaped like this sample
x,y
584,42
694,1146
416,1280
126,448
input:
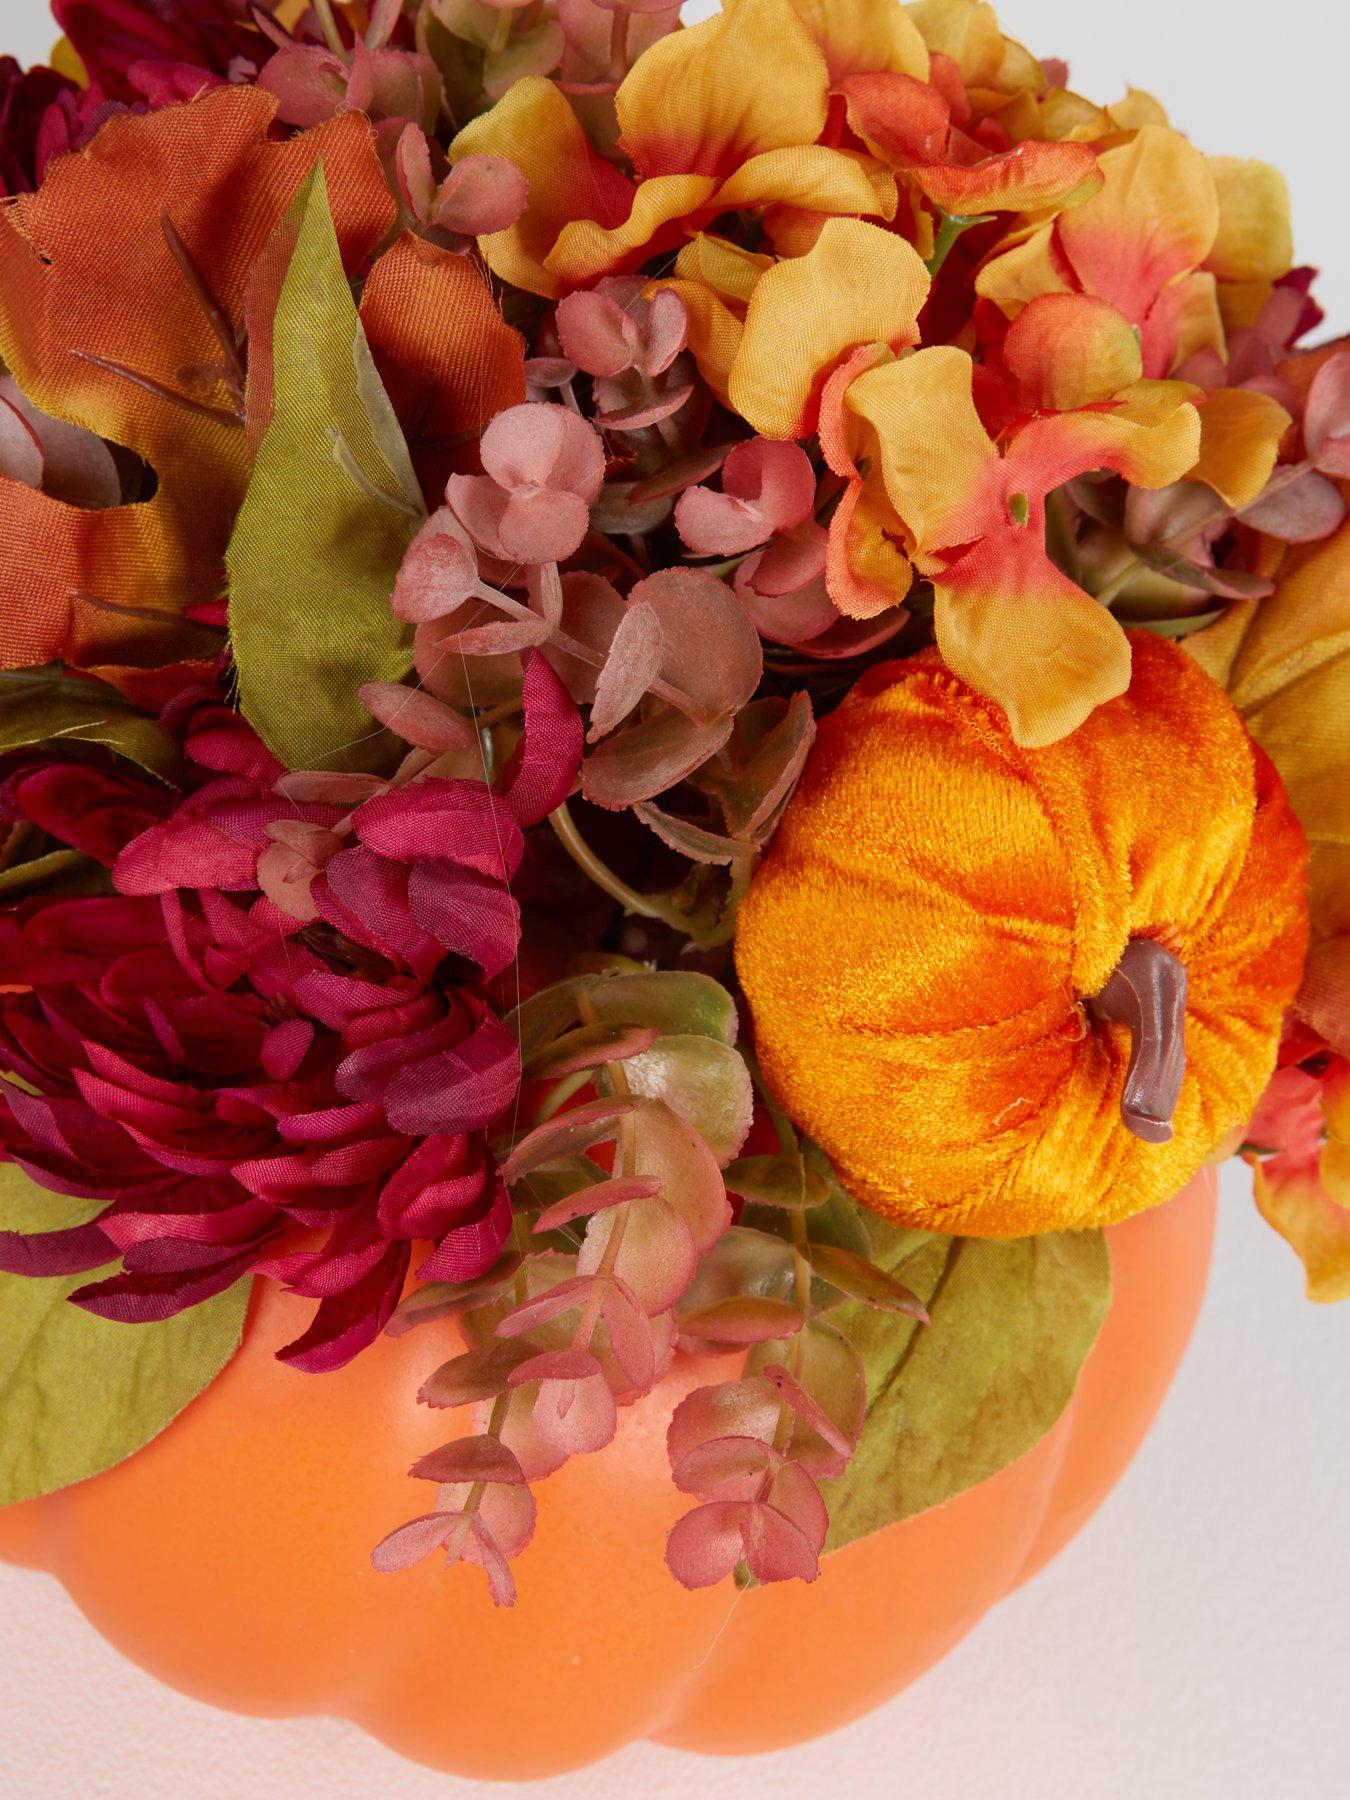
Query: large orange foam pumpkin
x,y
231,1557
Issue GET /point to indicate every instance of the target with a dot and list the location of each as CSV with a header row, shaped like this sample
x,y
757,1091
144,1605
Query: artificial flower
x,y
970,512
277,1021
115,39
1298,1146
735,148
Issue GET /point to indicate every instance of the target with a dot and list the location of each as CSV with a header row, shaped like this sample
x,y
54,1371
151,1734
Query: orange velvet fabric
x,y
938,905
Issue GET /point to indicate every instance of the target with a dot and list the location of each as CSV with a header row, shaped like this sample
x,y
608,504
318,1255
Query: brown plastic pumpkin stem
x,y
1147,992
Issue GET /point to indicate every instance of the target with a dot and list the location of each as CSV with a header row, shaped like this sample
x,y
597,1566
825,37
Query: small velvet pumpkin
x,y
924,944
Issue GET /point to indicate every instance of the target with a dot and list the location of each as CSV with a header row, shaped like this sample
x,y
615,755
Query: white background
x,y
1194,1643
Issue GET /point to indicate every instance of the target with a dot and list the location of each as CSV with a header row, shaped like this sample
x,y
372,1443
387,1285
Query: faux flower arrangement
x,y
470,474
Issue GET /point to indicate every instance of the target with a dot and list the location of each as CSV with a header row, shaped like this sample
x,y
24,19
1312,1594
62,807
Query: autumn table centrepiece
x,y
673,762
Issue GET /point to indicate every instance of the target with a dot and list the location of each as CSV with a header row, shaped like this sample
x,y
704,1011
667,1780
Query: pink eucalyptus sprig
x,y
752,1451
618,1200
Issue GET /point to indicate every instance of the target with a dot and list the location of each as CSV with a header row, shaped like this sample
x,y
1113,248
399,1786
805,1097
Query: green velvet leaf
x,y
951,1403
47,707
330,508
79,1393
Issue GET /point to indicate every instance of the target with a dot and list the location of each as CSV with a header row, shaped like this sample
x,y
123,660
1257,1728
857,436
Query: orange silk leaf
x,y
86,271
448,360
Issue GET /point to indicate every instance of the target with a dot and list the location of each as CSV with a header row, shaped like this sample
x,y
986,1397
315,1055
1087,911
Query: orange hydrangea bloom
x,y
721,117
969,510
1299,1140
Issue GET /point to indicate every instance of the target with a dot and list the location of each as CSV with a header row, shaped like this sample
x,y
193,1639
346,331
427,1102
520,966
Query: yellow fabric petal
x,y
706,99
1285,661
866,572
715,332
1156,217
1013,626
1316,1226
858,285
533,127
1184,319
1028,178
1071,350
585,250
1067,115
935,455
1255,240
1017,275
865,35
965,30
1018,71
1137,109
1240,432
67,61
814,178
1151,437
1241,303
723,266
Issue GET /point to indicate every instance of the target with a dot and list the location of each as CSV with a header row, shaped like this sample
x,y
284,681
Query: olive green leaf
x,y
952,1402
79,1393
330,508
46,706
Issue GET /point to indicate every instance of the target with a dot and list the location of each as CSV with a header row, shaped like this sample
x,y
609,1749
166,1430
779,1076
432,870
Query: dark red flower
x,y
114,37
26,97
278,1024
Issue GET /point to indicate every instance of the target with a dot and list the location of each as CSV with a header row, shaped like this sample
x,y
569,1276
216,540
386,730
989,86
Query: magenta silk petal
x,y
144,1299
347,1322
469,1250
460,1089
366,897
443,1178
185,1055
468,913
234,1221
438,818
217,737
88,808
543,767
352,1250
170,84
112,35
213,841
70,1252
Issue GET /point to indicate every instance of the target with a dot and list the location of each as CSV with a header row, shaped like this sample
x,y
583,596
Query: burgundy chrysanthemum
x,y
117,39
276,1024
27,96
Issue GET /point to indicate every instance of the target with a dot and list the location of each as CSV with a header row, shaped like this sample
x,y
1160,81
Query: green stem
x,y
648,906
559,1094
1113,588
953,224
328,25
